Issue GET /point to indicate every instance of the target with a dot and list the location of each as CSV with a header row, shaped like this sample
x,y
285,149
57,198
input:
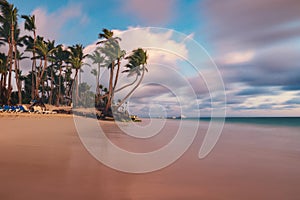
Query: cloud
x,y
256,91
291,87
259,107
50,25
237,57
294,101
233,101
152,12
278,66
151,90
161,44
256,42
240,24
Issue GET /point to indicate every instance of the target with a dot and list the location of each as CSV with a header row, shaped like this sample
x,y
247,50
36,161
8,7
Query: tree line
x,y
55,69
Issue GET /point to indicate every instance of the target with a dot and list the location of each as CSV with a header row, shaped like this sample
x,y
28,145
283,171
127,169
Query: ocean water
x,y
271,121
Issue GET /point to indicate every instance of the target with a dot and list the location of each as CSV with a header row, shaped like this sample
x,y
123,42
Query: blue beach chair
x,y
6,108
13,109
23,109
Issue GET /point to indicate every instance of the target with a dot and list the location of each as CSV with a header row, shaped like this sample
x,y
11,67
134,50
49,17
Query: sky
x,y
199,52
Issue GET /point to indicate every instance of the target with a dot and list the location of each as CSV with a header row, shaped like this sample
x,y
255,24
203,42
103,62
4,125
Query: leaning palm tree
x,y
98,59
30,26
8,19
110,50
137,62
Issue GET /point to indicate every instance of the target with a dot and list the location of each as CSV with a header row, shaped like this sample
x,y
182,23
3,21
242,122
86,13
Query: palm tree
x,y
8,19
19,56
18,41
106,34
68,81
137,62
51,68
98,59
3,71
30,26
44,50
113,53
61,56
76,61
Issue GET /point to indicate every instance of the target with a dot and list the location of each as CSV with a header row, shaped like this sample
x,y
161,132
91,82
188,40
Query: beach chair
x,y
46,111
1,109
23,109
17,109
37,109
6,108
13,109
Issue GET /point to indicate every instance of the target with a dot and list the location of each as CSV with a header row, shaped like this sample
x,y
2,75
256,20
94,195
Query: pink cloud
x,y
49,25
153,12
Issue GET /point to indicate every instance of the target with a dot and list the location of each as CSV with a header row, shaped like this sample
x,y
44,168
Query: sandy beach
x,y
43,158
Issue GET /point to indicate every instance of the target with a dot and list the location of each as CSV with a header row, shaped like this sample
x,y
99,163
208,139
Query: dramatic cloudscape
x,y
254,44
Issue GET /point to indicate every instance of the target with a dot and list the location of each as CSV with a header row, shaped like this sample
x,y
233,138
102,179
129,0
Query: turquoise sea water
x,y
272,121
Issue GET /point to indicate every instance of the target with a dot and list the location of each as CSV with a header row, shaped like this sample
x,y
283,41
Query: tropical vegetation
x,y
55,69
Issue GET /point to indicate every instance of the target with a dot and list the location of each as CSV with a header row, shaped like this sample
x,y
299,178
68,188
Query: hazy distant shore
x,y
43,158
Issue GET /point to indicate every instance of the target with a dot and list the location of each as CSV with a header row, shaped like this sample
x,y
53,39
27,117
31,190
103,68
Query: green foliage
x,y
55,69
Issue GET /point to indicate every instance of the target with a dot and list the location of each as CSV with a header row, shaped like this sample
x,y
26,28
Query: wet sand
x,y
43,158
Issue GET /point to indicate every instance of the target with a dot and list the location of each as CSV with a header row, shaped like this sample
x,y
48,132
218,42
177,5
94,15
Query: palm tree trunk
x,y
59,87
1,86
130,93
52,86
116,79
17,74
79,76
33,67
9,88
37,80
32,77
4,81
43,91
1,83
41,76
130,84
19,84
76,88
97,80
109,99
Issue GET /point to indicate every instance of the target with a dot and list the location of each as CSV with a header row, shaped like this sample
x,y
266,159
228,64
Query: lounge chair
x,y
1,109
6,108
37,109
14,109
23,108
